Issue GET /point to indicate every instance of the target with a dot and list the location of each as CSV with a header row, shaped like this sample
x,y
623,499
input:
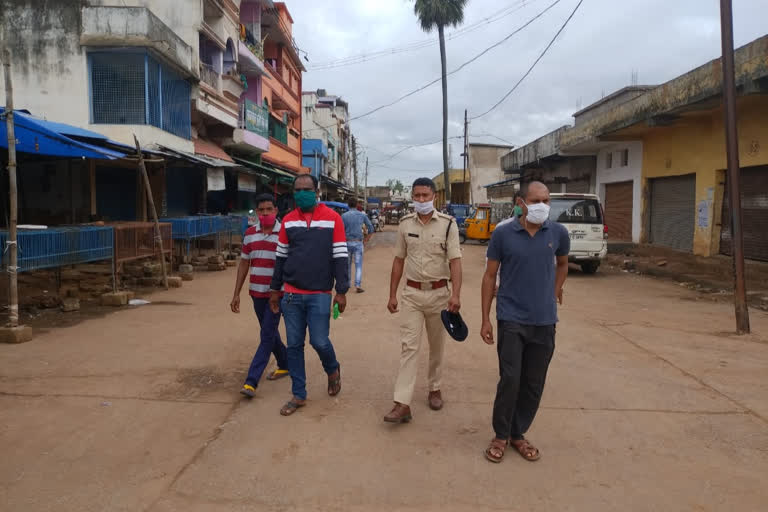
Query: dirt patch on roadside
x,y
197,382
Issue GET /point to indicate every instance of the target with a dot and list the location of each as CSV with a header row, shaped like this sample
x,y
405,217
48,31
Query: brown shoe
x,y
435,400
399,414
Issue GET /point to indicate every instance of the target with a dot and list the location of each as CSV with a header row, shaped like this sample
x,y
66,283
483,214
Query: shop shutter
x,y
754,206
618,211
673,211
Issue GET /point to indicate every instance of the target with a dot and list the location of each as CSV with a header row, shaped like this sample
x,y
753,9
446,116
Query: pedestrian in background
x,y
354,222
311,256
533,254
257,262
428,253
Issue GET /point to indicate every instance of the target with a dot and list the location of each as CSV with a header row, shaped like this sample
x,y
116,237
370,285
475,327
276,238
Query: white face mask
x,y
423,208
537,213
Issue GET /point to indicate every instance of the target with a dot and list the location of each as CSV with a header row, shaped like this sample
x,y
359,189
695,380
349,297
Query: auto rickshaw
x,y
480,225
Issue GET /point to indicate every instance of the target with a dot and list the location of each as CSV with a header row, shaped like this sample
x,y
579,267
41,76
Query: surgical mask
x,y
267,221
424,208
305,199
537,213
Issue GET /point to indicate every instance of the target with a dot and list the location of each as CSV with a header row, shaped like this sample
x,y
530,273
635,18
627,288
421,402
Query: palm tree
x,y
440,14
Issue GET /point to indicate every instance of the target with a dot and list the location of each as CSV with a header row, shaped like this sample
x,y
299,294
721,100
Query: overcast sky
x,y
596,54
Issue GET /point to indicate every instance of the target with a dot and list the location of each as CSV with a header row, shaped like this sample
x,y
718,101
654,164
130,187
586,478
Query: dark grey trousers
x,y
524,355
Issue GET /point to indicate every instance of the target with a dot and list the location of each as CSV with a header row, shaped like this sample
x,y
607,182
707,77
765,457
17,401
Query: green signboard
x,y
256,118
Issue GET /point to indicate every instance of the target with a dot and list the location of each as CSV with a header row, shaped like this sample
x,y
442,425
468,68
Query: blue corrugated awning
x,y
40,137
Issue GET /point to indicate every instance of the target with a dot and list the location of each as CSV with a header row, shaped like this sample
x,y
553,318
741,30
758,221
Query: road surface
x,y
651,404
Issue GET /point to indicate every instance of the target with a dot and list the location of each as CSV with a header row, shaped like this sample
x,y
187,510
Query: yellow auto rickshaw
x,y
481,224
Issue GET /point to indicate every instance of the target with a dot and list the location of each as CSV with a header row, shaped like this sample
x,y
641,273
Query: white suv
x,y
582,215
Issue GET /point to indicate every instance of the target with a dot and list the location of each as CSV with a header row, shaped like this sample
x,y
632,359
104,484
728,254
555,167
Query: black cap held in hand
x,y
455,325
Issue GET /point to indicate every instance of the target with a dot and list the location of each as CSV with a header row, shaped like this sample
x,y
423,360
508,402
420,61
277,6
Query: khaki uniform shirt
x,y
425,247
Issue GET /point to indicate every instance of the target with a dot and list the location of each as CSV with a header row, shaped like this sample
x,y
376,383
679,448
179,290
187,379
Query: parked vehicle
x,y
460,212
340,208
581,214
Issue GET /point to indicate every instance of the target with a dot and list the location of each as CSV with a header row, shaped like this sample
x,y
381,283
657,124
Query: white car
x,y
582,215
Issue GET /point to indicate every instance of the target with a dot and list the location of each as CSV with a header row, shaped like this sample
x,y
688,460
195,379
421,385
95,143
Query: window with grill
x,y
134,88
278,130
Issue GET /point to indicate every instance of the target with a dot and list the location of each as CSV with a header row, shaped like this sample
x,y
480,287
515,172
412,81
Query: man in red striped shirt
x,y
258,261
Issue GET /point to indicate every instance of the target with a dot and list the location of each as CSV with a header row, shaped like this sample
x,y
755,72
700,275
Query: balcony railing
x,y
210,76
252,42
254,118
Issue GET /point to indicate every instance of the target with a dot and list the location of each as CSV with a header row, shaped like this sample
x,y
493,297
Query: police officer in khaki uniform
x,y
428,253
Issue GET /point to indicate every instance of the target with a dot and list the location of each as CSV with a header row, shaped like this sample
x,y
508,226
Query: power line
x,y
465,64
393,155
534,63
491,135
417,45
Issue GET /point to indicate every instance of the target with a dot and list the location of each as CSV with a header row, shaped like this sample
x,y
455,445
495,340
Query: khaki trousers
x,y
420,308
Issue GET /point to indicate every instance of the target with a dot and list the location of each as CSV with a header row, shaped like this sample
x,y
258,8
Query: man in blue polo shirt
x,y
533,254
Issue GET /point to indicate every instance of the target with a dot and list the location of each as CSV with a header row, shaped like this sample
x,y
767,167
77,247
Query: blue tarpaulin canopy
x,y
46,138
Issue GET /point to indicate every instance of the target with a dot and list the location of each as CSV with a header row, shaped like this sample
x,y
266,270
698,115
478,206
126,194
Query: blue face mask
x,y
305,199
517,212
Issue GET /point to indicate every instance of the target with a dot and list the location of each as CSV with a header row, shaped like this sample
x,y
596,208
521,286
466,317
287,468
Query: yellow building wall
x,y
696,144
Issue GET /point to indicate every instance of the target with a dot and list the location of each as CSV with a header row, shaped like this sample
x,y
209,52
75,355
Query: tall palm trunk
x,y
446,178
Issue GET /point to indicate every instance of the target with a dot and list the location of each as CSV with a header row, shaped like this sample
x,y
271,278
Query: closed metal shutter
x,y
577,187
673,211
754,207
618,211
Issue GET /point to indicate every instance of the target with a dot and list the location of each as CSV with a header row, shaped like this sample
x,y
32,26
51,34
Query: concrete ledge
x,y
115,299
20,334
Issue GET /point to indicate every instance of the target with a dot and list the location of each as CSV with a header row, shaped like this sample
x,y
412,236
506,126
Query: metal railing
x,y
210,76
136,240
59,247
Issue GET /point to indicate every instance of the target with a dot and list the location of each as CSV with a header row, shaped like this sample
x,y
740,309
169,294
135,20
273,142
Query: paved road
x,y
650,405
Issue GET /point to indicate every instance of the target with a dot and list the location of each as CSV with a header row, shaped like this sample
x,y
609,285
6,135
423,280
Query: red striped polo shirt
x,y
259,249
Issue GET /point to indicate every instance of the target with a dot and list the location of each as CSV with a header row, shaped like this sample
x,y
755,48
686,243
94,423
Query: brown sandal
x,y
526,449
334,383
291,406
499,446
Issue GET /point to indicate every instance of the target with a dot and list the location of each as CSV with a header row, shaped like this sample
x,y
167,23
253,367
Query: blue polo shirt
x,y
527,284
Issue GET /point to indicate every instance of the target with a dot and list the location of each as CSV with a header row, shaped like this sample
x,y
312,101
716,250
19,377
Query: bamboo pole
x,y
11,244
148,187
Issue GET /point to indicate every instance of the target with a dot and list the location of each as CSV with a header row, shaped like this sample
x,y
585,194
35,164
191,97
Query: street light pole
x,y
734,178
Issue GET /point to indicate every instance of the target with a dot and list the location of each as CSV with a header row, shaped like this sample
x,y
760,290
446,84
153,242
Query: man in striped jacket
x,y
258,261
311,256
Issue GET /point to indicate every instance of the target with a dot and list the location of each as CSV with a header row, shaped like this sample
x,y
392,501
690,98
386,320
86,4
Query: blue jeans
x,y
270,342
301,311
356,252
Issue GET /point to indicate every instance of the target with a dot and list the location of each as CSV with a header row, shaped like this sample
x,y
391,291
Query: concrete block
x,y
72,292
200,268
130,294
148,282
174,282
70,305
20,334
217,258
114,299
231,263
187,276
152,269
186,269
215,267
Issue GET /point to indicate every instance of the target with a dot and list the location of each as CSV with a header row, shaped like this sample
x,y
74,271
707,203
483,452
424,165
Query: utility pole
x,y
734,177
464,159
365,190
11,244
354,162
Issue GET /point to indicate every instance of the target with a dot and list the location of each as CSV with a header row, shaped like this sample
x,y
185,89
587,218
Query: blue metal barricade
x,y
58,247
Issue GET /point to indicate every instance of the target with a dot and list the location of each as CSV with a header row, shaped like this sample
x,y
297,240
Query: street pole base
x,y
20,334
